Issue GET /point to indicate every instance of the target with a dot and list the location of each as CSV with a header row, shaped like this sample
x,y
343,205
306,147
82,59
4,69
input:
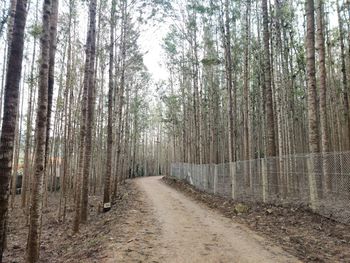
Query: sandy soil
x,y
191,232
155,220
299,231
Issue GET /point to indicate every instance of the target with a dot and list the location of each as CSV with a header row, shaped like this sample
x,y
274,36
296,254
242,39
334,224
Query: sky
x,y
151,39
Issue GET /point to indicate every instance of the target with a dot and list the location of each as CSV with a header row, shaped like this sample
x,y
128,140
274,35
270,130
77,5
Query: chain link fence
x,y
320,181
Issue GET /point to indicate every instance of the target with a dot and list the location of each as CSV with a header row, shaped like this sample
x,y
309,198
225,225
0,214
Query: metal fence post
x,y
232,168
215,178
299,180
264,179
312,181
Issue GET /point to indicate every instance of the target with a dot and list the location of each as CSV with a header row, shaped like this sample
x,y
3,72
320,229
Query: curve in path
x,y
192,232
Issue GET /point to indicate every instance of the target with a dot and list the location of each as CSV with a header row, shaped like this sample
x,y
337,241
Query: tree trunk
x,y
33,241
11,98
323,95
311,78
107,182
229,83
312,100
51,77
346,127
78,183
90,113
246,130
270,123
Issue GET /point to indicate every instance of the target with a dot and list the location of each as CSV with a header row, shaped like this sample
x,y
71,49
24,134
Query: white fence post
x,y
190,173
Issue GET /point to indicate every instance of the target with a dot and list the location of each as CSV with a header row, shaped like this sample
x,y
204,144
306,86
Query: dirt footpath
x,y
149,222
190,232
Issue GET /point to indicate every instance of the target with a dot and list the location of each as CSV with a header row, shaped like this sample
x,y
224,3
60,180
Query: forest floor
x,y
124,234
300,232
157,220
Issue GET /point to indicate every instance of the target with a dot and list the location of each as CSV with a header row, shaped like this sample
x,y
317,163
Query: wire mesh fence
x,y
320,181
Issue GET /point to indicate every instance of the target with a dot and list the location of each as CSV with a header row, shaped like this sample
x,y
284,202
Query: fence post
x,y
215,177
232,168
264,179
205,178
190,174
312,181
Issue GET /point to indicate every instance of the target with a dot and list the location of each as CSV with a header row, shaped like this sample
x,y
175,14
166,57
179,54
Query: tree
x,y
85,127
345,90
51,77
246,132
89,113
270,123
312,98
323,94
11,98
107,182
33,241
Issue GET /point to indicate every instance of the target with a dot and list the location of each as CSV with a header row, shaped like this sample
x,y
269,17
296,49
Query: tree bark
x,y
51,77
312,100
311,78
90,113
270,123
11,98
323,95
229,83
346,105
246,130
80,168
33,241
108,173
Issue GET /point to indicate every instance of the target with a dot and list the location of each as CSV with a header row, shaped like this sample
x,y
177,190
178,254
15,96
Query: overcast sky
x,y
151,39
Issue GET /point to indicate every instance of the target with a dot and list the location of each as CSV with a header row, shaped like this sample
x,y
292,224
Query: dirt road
x,y
192,233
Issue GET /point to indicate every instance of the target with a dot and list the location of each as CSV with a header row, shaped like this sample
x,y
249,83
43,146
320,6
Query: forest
x,y
244,100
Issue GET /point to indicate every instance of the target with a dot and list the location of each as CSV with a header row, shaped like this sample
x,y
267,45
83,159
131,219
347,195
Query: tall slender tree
x,y
108,173
85,127
270,116
90,112
312,99
51,77
323,93
229,82
33,241
345,88
11,100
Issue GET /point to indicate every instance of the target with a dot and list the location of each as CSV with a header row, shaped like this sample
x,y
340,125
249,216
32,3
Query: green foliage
x,y
203,10
210,61
3,18
35,30
300,57
165,4
169,45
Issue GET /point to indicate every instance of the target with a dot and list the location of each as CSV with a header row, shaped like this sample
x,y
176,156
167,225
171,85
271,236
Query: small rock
x,y
286,238
269,211
241,208
295,239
